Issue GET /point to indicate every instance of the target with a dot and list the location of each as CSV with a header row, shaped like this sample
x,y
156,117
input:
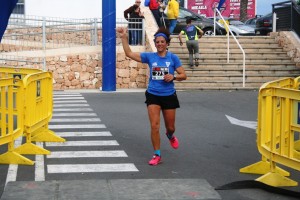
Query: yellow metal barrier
x,y
13,72
278,128
38,110
12,123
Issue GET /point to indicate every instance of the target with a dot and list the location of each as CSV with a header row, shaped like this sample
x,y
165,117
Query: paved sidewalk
x,y
121,189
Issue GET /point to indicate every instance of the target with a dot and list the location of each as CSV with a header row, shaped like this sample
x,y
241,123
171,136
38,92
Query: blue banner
x,y
221,4
6,8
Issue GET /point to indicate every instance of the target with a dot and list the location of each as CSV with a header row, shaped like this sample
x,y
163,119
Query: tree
x,y
243,10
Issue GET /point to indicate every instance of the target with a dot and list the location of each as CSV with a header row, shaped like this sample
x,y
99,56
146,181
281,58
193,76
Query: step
x,y
274,56
237,66
231,45
203,62
237,77
203,50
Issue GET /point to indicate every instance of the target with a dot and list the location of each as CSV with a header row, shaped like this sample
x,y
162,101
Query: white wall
x,y
72,8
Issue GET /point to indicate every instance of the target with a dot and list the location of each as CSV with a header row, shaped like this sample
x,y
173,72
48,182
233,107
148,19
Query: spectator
x,y
172,13
154,7
131,9
128,12
135,25
161,9
193,33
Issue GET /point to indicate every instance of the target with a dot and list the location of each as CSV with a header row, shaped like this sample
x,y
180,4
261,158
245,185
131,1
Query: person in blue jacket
x,y
161,94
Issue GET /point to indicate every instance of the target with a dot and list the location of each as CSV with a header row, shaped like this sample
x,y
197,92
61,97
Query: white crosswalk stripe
x,y
83,143
72,126
85,168
76,120
83,134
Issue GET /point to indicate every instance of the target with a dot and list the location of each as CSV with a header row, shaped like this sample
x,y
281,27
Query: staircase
x,y
265,61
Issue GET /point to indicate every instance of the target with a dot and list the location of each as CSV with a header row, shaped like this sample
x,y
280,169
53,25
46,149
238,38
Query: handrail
x,y
244,56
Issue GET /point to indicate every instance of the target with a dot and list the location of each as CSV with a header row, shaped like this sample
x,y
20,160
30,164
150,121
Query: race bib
x,y
158,73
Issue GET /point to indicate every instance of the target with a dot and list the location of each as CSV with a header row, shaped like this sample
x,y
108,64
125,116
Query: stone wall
x,y
290,43
84,71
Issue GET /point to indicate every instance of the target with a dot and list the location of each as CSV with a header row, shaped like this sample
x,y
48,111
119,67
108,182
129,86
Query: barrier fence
x,y
12,123
278,132
34,112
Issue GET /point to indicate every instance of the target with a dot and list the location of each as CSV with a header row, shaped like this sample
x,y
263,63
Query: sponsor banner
x,y
230,8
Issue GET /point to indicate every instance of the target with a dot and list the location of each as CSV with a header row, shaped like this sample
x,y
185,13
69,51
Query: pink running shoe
x,y
155,160
174,142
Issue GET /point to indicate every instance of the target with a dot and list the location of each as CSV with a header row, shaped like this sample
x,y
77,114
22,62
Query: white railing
x,y
228,28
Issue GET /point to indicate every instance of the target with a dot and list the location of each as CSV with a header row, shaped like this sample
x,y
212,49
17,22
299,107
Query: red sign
x,y
231,8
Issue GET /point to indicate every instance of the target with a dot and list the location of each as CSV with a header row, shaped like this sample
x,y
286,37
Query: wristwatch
x,y
174,77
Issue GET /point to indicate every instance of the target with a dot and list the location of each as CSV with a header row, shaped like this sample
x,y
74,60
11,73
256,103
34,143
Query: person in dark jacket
x,y
128,11
136,26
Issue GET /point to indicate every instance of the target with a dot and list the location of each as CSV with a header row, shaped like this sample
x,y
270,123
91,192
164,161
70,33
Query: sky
x,y
264,7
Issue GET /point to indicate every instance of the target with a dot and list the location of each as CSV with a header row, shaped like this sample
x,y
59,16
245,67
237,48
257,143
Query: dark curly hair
x,y
164,31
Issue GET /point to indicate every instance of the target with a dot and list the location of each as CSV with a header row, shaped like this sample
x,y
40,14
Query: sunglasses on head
x,y
137,2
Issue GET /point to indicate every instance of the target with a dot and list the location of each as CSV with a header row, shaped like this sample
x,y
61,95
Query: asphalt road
x,y
211,148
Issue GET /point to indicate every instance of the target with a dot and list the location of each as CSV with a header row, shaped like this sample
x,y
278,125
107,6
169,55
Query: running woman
x,y
161,94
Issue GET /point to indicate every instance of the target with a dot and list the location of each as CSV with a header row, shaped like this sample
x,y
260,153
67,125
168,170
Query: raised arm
x,y
123,35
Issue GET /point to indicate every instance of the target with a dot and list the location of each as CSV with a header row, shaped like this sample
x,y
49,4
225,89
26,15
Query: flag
x,y
6,8
221,4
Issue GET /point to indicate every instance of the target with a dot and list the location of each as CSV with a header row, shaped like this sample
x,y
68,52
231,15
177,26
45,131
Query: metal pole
x,y
95,32
109,45
44,33
274,22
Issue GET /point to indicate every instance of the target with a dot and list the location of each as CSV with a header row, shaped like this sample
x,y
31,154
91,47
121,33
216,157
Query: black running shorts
x,y
165,102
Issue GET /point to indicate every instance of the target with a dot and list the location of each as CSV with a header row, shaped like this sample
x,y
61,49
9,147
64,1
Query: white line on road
x,y
86,154
71,101
66,95
83,134
73,114
75,120
13,169
84,168
83,143
65,98
70,105
71,109
39,165
73,126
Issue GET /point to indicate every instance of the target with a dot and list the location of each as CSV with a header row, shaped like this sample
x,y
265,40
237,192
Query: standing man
x,y
193,33
127,12
172,13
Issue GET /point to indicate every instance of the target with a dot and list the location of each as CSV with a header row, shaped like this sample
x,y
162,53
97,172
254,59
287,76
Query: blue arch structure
x,y
109,45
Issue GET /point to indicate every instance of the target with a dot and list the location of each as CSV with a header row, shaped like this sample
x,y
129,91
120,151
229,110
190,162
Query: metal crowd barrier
x,y
278,131
37,108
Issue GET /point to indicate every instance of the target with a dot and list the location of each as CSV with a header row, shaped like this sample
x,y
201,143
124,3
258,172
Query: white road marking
x,y
86,154
39,165
75,120
247,124
84,168
73,114
65,98
13,168
83,134
70,105
71,109
66,95
83,143
70,101
73,126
